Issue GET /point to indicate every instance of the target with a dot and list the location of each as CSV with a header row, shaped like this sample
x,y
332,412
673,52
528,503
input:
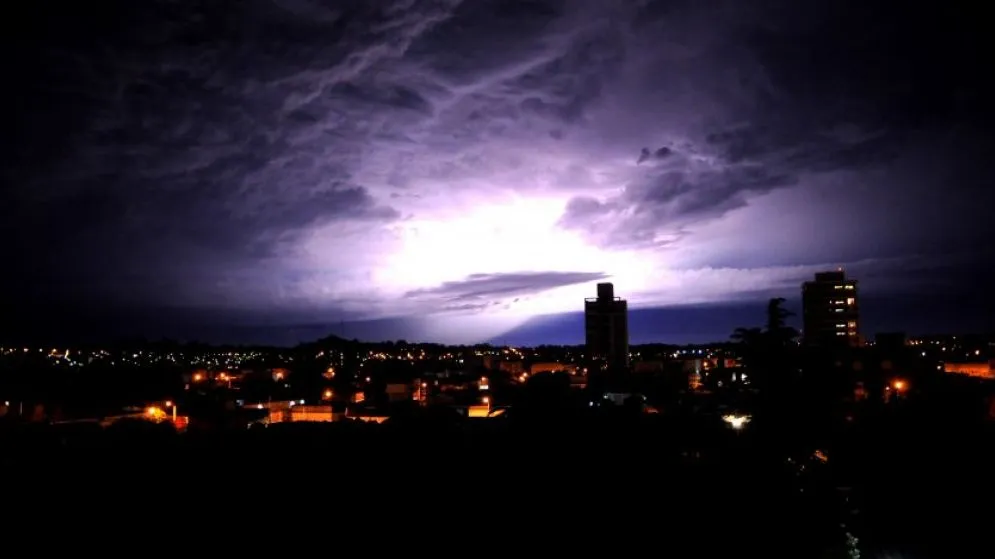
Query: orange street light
x,y
899,385
172,407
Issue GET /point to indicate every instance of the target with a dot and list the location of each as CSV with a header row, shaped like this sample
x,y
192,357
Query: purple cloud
x,y
371,159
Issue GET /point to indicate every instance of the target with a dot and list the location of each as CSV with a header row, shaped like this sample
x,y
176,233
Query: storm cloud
x,y
393,157
493,288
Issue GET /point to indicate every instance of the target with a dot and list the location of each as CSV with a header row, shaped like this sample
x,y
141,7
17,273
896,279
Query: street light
x,y
737,422
172,405
155,412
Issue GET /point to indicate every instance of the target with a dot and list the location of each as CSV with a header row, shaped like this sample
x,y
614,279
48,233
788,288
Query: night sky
x,y
272,171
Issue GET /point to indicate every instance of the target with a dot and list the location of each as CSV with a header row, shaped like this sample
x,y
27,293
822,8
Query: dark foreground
x,y
620,485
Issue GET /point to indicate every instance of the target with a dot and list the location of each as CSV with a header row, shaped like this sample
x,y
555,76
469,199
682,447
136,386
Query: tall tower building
x,y
830,313
606,324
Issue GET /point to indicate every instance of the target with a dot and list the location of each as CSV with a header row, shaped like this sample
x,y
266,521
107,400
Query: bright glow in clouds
x,y
508,236
426,264
497,238
467,165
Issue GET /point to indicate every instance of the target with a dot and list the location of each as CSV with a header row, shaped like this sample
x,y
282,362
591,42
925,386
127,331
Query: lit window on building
x,y
841,325
851,324
851,301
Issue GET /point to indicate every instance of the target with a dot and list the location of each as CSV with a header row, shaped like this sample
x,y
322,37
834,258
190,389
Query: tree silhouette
x,y
748,336
778,333
766,351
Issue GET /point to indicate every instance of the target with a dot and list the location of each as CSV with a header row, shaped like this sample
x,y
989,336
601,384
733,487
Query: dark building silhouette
x,y
830,311
607,328
890,340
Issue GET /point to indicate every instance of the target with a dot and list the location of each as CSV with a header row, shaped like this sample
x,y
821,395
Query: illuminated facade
x,y
830,311
606,324
551,367
511,367
285,412
979,370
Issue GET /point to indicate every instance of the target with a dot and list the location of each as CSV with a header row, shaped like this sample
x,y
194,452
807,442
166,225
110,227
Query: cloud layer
x,y
369,159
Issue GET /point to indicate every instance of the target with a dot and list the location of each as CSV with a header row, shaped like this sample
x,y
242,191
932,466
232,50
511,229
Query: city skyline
x,y
680,325
464,172
718,262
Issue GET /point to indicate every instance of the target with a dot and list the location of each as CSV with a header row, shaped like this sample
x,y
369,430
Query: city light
x,y
155,412
169,403
327,394
899,385
198,377
736,421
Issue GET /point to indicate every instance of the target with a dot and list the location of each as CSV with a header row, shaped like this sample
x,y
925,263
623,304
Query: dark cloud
x,y
472,307
646,154
833,87
479,291
486,37
654,209
192,141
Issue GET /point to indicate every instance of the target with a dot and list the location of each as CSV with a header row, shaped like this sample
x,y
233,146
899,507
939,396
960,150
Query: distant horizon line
x,y
166,340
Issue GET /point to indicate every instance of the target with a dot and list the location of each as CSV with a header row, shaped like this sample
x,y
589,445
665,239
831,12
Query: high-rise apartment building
x,y
830,313
606,324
